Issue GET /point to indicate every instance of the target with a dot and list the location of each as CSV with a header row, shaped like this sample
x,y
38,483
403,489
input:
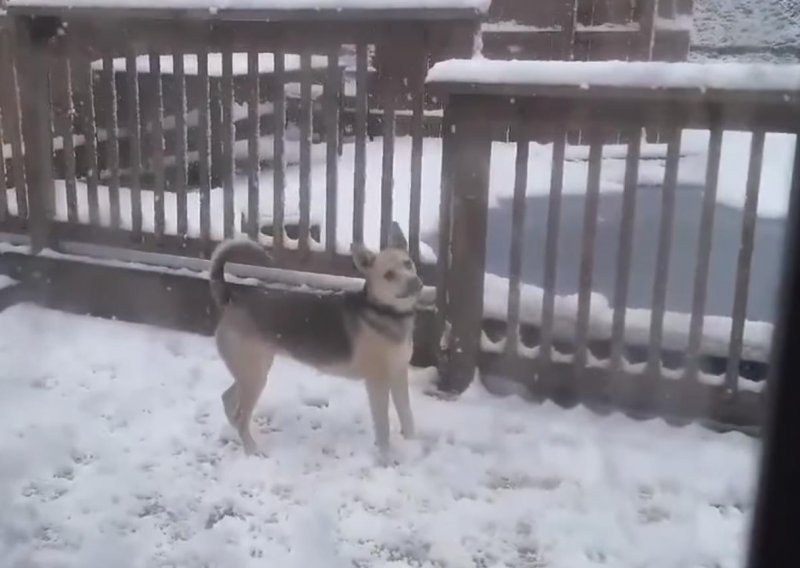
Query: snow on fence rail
x,y
543,100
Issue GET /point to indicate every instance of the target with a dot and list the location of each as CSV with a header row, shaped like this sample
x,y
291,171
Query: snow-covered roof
x,y
640,75
223,7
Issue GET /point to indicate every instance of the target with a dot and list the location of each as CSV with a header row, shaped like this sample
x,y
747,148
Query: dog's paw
x,y
387,458
408,433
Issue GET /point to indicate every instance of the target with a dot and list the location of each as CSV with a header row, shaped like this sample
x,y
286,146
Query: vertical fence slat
x,y
228,134
253,186
135,140
112,139
567,20
279,161
663,252
705,241
181,161
157,144
517,234
387,170
89,127
417,86
587,253
647,12
360,177
625,249
203,147
215,129
749,218
37,130
331,111
551,241
14,118
306,124
64,127
3,188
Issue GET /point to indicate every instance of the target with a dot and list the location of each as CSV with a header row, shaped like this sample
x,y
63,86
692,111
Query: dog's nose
x,y
416,284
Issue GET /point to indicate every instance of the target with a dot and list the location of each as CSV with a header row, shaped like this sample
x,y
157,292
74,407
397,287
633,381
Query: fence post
x,y
465,177
33,36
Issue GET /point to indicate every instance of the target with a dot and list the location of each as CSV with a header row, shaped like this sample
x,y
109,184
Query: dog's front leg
x,y
378,391
402,403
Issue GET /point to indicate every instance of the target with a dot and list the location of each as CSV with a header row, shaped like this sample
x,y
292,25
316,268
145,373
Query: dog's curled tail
x,y
222,254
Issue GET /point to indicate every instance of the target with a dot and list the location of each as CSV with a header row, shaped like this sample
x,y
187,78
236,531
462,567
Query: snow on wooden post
x,y
467,154
33,38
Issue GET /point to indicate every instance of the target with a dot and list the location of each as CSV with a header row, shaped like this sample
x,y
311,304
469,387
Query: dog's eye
x,y
390,275
408,265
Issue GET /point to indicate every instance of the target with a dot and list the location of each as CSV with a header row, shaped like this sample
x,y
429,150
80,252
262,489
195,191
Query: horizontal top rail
x,y
273,10
643,81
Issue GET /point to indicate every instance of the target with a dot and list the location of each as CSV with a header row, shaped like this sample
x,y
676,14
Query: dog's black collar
x,y
382,309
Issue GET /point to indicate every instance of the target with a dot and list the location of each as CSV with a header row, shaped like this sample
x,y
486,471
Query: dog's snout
x,y
415,285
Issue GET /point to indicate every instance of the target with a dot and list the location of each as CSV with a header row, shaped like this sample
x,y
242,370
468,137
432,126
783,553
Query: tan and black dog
x,y
361,335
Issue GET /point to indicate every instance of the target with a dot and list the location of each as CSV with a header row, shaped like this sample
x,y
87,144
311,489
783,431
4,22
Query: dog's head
x,y
391,275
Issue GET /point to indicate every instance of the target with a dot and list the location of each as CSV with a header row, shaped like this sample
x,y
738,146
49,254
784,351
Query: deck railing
x,y
660,364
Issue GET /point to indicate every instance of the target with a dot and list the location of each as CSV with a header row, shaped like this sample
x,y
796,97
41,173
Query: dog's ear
x,y
363,258
397,240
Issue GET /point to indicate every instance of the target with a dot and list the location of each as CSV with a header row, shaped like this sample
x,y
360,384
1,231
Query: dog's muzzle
x,y
413,287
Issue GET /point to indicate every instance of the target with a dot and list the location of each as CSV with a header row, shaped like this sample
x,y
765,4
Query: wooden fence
x,y
528,345
123,146
126,146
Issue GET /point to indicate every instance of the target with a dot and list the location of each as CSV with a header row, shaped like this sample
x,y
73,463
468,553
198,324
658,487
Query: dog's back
x,y
316,329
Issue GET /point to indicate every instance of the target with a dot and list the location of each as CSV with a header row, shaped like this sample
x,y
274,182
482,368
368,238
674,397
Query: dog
x,y
363,335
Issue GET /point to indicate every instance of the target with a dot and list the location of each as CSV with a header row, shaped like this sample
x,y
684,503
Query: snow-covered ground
x,y
114,452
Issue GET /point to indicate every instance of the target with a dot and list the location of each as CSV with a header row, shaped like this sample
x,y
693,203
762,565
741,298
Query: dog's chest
x,y
376,356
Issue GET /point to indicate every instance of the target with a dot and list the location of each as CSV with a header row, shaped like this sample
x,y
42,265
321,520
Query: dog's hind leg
x,y
402,404
249,386
230,402
249,361
378,391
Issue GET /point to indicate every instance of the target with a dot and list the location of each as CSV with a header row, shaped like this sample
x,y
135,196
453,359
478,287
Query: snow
x,y
756,23
716,329
215,5
266,64
651,75
115,452
6,281
681,22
